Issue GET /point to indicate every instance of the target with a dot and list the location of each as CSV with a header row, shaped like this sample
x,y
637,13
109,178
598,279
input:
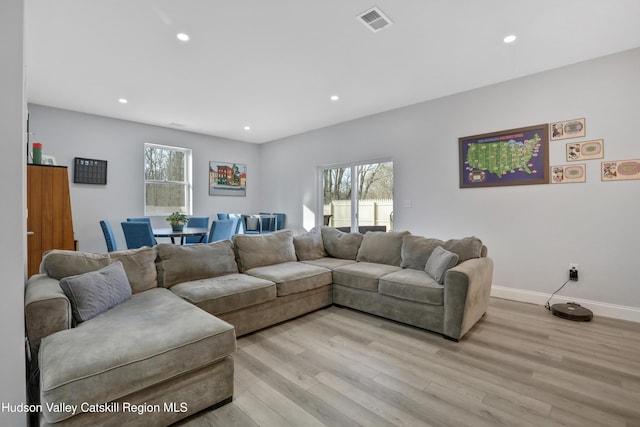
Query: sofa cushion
x,y
59,263
339,244
263,249
466,248
226,293
153,337
412,285
293,277
177,263
139,264
362,275
329,262
416,250
439,262
382,247
309,246
95,292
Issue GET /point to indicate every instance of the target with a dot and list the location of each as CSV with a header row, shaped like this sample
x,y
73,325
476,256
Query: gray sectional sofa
x,y
152,331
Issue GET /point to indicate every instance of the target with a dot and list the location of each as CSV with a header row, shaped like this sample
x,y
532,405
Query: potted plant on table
x,y
177,220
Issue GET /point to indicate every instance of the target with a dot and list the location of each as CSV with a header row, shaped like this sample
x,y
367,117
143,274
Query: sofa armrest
x,y
46,308
467,288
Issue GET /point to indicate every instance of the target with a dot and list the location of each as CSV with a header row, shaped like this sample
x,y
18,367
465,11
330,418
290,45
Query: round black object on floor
x,y
572,311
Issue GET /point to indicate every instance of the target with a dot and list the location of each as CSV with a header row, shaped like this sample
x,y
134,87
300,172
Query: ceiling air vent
x,y
374,19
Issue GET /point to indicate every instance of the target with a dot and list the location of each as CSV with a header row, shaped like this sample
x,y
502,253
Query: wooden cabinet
x,y
49,208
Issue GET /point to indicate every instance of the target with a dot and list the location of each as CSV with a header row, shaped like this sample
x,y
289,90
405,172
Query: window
x,y
367,186
167,180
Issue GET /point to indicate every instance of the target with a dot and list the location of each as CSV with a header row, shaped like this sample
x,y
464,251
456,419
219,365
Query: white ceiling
x,y
273,64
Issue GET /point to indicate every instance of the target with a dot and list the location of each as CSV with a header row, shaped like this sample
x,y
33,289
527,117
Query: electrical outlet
x,y
573,272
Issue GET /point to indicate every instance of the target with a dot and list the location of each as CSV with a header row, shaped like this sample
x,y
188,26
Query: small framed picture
x,y
564,174
89,171
574,128
620,170
585,150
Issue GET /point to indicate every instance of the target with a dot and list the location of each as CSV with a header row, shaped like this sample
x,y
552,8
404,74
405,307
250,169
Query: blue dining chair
x,y
268,224
138,234
271,224
109,238
222,229
196,222
281,218
140,219
250,225
239,221
143,219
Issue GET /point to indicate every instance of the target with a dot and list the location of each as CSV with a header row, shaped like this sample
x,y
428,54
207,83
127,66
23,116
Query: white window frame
x,y
188,156
354,190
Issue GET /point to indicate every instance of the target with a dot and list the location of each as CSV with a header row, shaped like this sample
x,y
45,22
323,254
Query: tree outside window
x,y
369,186
167,179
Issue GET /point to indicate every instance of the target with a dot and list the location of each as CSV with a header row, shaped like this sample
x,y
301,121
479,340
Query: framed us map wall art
x,y
510,157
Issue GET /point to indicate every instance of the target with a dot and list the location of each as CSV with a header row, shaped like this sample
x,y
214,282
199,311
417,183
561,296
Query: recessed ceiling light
x,y
510,38
334,97
247,128
183,37
122,101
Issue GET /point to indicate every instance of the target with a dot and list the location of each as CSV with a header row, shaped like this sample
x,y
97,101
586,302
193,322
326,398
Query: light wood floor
x,y
519,366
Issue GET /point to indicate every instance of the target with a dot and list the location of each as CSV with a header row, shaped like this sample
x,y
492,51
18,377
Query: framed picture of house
x,y
227,179
510,157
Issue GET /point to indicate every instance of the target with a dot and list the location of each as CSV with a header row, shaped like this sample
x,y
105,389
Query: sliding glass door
x,y
358,194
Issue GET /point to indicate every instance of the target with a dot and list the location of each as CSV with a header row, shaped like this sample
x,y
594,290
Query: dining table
x,y
185,232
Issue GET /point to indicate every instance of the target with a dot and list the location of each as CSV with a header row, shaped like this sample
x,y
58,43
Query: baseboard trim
x,y
599,308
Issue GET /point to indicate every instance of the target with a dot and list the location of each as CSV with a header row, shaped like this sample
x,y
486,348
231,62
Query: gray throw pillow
x,y
309,246
439,262
97,291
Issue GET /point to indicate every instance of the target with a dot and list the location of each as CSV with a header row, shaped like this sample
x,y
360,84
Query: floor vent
x,y
374,19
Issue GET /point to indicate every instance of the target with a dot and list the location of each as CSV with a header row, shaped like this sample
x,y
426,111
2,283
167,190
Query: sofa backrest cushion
x,y
178,264
258,250
139,265
339,244
466,248
382,247
97,291
309,246
416,250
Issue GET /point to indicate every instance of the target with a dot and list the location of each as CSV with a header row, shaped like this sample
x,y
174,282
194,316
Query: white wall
x,y
12,214
533,232
67,134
